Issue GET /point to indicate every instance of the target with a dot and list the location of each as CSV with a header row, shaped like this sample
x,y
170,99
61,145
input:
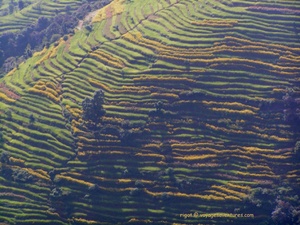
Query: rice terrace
x,y
156,112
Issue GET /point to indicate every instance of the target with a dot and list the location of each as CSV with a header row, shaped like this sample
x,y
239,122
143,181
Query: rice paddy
x,y
210,64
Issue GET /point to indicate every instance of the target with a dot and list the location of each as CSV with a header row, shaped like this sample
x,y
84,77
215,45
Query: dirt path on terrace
x,y
87,19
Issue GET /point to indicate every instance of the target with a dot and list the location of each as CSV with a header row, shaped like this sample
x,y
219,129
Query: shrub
x,y
66,37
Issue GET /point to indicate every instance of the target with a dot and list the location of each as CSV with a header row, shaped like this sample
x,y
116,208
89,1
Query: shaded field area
x,y
199,114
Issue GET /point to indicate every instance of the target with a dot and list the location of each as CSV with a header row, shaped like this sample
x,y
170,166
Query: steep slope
x,y
194,118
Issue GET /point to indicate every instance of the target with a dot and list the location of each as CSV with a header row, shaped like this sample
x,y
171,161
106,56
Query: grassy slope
x,y
140,52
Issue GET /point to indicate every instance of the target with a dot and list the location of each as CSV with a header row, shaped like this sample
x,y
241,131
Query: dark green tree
x,y
68,8
54,38
11,8
31,119
28,51
166,148
43,22
5,169
88,28
1,138
187,64
21,4
21,175
9,114
4,158
93,107
2,56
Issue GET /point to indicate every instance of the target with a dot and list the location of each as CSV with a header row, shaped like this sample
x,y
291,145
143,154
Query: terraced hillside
x,y
15,16
198,115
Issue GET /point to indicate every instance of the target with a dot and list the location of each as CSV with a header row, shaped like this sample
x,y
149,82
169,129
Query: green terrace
x,y
17,18
193,101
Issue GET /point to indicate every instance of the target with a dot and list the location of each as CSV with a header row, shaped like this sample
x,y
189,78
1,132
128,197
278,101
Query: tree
x,y
21,175
187,64
93,107
88,28
129,137
158,110
68,8
66,37
28,51
166,148
9,114
42,23
2,57
54,38
126,136
53,28
31,119
21,4
4,158
170,171
285,213
11,8
1,138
